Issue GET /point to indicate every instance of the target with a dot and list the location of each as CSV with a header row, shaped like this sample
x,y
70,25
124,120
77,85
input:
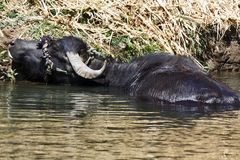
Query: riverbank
x,y
205,30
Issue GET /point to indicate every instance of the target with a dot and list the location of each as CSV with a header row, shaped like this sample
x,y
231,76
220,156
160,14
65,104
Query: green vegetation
x,y
1,6
123,28
6,73
45,27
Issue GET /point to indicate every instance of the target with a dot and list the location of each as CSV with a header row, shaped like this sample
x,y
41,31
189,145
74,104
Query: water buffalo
x,y
158,77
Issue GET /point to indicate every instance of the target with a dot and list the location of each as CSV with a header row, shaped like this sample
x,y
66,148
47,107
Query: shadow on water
x,y
59,103
30,96
81,101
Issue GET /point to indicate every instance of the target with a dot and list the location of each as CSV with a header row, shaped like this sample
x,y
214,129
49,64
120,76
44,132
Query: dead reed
x,y
124,28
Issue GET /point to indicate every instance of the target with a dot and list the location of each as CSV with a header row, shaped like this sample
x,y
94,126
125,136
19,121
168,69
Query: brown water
x,y
63,122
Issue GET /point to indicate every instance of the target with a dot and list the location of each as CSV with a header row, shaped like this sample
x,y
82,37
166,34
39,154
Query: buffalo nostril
x,y
11,43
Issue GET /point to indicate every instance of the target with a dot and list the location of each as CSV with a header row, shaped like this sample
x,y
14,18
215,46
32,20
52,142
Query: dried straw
x,y
175,25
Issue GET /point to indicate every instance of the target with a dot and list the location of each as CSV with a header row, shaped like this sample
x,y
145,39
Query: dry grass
x,y
124,28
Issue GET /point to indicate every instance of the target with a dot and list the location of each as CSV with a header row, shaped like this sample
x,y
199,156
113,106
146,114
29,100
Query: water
x,y
64,122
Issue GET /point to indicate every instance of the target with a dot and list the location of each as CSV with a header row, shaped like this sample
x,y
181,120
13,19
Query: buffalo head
x,y
62,61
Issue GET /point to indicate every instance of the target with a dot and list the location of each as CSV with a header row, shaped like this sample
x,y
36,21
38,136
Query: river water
x,y
66,122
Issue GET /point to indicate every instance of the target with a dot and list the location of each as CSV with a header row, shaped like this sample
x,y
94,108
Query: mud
x,y
223,54
7,35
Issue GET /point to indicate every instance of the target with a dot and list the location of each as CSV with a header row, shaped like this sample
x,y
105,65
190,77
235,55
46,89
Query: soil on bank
x,y
223,54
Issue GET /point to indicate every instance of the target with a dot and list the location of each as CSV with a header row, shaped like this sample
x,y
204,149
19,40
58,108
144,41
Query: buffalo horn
x,y
81,68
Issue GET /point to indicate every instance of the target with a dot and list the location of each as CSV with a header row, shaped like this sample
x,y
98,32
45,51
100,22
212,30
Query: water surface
x,y
66,122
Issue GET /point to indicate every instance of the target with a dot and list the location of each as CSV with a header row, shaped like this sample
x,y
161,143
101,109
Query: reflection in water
x,y
63,122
